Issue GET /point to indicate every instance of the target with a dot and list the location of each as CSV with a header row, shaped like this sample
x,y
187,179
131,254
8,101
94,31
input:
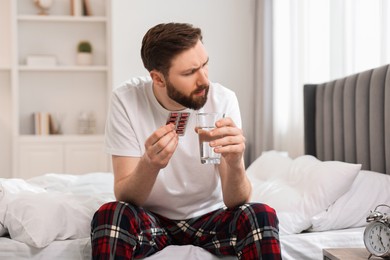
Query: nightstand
x,y
347,254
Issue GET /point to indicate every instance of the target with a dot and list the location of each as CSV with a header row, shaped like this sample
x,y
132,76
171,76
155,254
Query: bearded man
x,y
165,196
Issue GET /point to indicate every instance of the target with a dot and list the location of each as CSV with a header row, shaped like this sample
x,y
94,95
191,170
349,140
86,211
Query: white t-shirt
x,y
185,188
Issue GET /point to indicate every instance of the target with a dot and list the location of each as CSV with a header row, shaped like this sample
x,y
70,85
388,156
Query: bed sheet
x,y
75,249
187,252
309,245
305,246
80,249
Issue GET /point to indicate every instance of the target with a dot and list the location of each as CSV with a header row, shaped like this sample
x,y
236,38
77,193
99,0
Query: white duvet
x,y
44,211
52,206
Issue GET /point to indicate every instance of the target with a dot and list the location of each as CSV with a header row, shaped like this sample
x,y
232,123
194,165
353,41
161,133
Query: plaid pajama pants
x,y
123,231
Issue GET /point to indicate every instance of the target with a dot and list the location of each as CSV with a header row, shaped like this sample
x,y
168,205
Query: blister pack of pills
x,y
179,119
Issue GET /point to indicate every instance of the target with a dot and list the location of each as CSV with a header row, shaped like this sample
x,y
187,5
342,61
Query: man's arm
x,y
134,177
236,187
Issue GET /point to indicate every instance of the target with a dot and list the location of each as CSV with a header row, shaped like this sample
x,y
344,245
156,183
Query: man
x,y
165,195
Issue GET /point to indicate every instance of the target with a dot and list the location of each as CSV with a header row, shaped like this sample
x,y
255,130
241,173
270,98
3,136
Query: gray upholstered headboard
x,y
348,119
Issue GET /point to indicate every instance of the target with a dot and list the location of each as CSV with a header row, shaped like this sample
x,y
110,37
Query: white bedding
x,y
48,217
308,246
305,246
75,249
80,249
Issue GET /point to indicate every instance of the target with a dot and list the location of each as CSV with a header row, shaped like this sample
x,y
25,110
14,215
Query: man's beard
x,y
190,101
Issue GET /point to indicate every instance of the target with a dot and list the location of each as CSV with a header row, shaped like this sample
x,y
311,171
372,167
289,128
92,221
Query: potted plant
x,y
84,53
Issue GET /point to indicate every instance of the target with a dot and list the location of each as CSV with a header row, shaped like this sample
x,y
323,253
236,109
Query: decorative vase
x,y
43,6
84,58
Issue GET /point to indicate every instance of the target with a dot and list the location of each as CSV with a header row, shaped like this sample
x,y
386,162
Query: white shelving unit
x,y
5,91
65,90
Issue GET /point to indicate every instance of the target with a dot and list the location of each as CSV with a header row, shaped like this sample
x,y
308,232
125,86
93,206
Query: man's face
x,y
188,83
195,100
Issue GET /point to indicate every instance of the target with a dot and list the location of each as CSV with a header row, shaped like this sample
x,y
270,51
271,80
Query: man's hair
x,y
163,42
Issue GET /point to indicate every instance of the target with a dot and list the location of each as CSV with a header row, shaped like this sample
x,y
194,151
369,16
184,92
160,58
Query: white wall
x,y
228,34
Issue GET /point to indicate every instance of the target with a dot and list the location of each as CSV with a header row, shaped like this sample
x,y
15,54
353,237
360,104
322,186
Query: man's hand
x,y
135,177
160,146
231,141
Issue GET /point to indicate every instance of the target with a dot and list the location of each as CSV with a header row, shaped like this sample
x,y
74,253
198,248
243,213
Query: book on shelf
x,y
80,8
42,122
87,7
76,7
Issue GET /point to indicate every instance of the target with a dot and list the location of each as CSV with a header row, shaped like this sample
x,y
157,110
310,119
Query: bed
x,y
320,197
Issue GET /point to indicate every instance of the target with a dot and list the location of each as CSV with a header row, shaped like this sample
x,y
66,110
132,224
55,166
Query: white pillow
x,y
367,191
9,188
287,202
270,165
52,206
39,219
302,190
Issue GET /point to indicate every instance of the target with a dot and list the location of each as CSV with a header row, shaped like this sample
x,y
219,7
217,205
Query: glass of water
x,y
205,122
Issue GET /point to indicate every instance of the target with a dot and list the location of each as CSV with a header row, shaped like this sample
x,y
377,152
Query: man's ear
x,y
158,78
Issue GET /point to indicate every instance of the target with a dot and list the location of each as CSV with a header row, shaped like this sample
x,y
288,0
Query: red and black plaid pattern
x,y
123,231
